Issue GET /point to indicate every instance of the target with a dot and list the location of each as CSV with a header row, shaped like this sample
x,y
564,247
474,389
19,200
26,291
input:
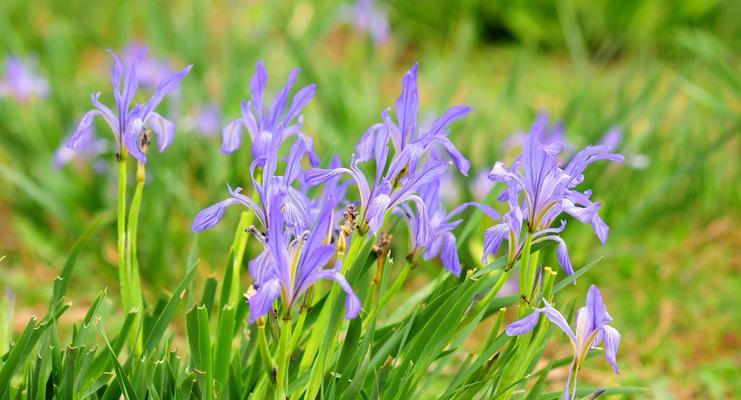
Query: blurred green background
x,y
665,72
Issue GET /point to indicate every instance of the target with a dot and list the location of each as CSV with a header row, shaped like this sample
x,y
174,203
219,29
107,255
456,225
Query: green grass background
x,y
666,72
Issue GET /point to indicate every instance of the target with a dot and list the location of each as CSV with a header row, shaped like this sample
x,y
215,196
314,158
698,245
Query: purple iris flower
x,y
263,123
21,82
441,225
407,170
296,206
291,263
128,123
547,191
591,331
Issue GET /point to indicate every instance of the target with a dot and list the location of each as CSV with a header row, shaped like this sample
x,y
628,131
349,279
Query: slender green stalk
x,y
525,278
284,355
132,263
571,384
123,278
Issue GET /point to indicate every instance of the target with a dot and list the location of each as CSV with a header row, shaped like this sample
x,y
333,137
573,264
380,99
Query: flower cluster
x,y
398,168
539,190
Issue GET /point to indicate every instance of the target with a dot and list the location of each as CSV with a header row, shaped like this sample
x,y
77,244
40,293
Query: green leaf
x,y
163,320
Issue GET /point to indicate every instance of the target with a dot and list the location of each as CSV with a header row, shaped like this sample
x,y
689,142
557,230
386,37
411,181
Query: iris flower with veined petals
x,y
128,123
262,123
548,191
290,264
591,330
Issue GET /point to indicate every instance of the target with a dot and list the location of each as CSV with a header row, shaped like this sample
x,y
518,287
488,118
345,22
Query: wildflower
x,y
262,123
128,123
21,82
591,330
407,172
548,191
441,225
290,264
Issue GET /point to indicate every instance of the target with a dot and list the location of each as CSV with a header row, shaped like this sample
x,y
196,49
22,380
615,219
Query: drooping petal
x,y
524,325
163,128
563,257
211,215
611,339
80,137
231,136
562,253
600,228
449,255
459,160
106,112
555,317
261,302
352,302
493,238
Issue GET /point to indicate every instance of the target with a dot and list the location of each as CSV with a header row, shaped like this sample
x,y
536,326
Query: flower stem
x,y
284,355
525,284
132,263
123,278
570,390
